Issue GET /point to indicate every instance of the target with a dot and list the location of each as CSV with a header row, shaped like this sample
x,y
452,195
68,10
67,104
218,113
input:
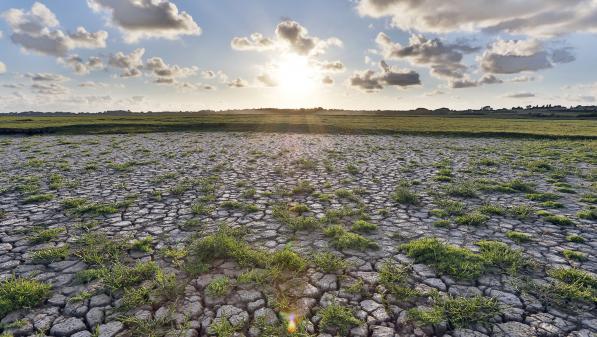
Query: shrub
x,y
338,317
329,262
18,293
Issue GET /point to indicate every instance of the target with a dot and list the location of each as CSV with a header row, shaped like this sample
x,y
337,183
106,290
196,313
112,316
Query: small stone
x,y
68,327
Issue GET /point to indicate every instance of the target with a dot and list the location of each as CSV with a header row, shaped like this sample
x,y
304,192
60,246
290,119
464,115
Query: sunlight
x,y
295,76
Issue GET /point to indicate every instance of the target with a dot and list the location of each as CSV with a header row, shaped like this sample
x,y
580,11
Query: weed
x,y
458,262
552,204
97,249
458,312
574,255
49,255
303,187
343,239
352,169
463,190
518,236
559,220
222,328
329,262
403,195
363,226
492,209
575,238
35,198
338,317
394,278
574,284
500,255
543,196
472,219
588,214
218,287
46,235
17,293
144,245
201,209
521,211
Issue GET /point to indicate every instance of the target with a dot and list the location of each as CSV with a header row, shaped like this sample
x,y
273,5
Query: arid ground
x,y
246,234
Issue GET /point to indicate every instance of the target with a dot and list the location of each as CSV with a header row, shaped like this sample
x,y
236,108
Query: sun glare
x,y
295,76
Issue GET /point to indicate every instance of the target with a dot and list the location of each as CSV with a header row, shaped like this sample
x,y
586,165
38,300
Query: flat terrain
x,y
304,123
235,234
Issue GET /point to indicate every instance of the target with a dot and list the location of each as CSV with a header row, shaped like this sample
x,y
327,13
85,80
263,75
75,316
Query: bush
x,y
19,293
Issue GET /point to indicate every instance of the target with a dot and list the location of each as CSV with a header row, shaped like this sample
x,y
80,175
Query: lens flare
x,y
291,324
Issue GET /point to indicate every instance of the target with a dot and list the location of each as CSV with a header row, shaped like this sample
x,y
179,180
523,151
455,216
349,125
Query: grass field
x,y
307,123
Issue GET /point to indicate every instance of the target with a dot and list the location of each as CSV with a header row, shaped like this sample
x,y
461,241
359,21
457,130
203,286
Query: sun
x,y
295,75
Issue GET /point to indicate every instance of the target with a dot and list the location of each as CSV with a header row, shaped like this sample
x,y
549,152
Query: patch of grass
x,y
46,235
35,198
552,204
352,169
18,293
462,190
521,211
303,187
543,196
575,238
299,208
588,214
363,226
222,328
84,206
343,239
329,262
457,312
589,198
451,207
337,317
255,275
403,195
489,209
574,255
249,193
455,261
394,278
201,209
560,220
144,245
538,166
518,236
120,276
98,249
471,219
218,287
500,255
297,223
574,284
49,255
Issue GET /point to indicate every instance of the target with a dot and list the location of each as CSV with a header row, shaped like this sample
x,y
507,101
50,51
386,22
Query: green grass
x,y
218,287
575,238
46,235
462,190
574,284
120,276
363,226
403,195
519,236
284,214
462,263
329,262
343,239
97,249
35,198
144,245
588,214
458,312
394,278
19,293
560,220
489,209
471,219
574,255
543,196
83,206
305,122
337,317
49,255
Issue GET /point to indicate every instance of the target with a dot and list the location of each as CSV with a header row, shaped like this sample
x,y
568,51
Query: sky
x,y
171,55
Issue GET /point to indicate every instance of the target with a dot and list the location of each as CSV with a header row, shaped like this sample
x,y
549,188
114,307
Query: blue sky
x,y
366,54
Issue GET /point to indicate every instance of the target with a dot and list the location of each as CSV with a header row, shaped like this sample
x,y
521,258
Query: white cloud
x,y
267,80
371,81
34,30
238,83
289,35
46,77
515,56
443,59
80,66
140,19
530,17
49,89
130,64
167,74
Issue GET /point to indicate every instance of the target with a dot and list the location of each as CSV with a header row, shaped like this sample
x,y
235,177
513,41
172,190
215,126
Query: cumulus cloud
x,y
208,74
34,30
515,56
46,77
49,89
255,42
371,81
289,35
82,67
466,82
444,60
331,66
130,64
520,95
167,74
238,83
529,17
139,19
267,80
